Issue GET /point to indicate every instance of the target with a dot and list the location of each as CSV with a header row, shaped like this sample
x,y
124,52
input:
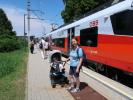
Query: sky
x,y
49,10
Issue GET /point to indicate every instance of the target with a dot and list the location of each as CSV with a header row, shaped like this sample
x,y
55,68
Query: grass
x,y
13,67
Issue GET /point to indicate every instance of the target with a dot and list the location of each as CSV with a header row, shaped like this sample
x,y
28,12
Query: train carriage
x,y
106,37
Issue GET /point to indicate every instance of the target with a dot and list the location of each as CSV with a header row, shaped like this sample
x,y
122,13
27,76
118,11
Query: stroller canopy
x,y
55,53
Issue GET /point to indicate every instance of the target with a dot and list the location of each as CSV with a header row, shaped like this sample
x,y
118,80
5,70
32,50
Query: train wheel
x,y
62,85
112,73
92,66
115,76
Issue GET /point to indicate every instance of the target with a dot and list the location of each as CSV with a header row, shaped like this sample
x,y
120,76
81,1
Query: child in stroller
x,y
57,70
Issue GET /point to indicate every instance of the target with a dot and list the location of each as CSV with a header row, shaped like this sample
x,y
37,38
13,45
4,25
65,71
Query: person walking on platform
x,y
32,46
42,47
46,48
76,58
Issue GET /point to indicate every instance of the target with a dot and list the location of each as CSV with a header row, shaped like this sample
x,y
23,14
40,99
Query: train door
x,y
71,34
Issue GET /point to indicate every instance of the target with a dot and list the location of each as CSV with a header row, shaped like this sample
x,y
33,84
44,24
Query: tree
x,y
68,13
5,25
76,8
8,39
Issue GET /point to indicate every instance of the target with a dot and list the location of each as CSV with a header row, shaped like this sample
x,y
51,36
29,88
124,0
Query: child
x,y
56,62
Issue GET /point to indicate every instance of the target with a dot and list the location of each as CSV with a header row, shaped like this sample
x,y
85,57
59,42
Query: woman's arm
x,y
80,51
79,65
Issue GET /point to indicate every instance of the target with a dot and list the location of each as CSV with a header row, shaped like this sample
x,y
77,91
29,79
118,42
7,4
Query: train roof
x,y
104,6
103,10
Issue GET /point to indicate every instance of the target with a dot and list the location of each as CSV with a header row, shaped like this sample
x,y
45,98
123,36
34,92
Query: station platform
x,y
39,86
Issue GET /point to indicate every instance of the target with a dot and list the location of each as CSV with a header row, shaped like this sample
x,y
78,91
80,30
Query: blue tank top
x,y
74,57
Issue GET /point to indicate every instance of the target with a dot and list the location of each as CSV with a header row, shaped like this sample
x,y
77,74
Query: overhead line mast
x,y
28,18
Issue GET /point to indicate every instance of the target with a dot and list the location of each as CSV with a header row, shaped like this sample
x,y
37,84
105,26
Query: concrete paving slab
x,y
38,82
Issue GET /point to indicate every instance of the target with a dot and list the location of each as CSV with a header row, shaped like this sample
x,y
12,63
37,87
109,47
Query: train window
x,y
59,42
122,23
88,37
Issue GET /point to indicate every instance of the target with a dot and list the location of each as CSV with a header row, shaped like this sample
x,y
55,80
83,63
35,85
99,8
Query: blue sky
x,y
15,10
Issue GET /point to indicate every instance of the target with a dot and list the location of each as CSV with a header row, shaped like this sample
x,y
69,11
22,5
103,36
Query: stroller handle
x,y
60,61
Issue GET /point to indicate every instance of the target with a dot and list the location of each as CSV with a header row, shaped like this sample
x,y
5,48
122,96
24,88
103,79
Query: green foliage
x,y
68,13
7,64
8,43
5,24
9,61
8,40
23,43
11,43
76,8
14,80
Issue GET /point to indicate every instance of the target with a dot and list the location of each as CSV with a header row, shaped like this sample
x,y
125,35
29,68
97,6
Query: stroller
x,y
57,71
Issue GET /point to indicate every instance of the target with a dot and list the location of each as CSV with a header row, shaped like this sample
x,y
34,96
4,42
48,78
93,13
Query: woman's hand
x,y
77,70
67,59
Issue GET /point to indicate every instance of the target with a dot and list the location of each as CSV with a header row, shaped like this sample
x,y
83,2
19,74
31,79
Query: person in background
x,y
32,46
42,47
46,48
75,64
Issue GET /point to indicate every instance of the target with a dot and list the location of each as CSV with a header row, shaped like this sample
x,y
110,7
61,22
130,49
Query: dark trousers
x,y
31,49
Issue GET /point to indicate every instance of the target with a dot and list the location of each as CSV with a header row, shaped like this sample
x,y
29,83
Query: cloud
x,y
16,16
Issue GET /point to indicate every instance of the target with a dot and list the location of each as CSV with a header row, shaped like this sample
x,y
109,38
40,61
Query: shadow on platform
x,y
87,93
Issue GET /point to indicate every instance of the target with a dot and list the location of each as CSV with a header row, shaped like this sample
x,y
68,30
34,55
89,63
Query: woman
x,y
76,58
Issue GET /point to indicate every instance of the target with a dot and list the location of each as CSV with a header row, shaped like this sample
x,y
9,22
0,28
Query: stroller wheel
x,y
67,81
53,85
62,85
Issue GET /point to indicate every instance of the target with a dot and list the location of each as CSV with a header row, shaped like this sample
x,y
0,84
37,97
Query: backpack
x,y
31,44
84,57
41,45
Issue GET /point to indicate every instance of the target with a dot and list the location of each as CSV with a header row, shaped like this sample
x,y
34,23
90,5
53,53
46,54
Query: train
x,y
105,35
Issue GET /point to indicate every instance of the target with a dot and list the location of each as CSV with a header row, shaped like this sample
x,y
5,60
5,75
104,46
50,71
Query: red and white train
x,y
106,36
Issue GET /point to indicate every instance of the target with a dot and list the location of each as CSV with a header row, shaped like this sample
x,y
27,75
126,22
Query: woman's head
x,y
74,42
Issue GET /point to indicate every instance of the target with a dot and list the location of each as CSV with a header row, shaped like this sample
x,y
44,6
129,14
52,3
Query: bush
x,y
10,43
22,42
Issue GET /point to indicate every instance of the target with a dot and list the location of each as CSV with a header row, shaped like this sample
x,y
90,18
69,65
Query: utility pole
x,y
28,20
24,24
29,17
24,31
